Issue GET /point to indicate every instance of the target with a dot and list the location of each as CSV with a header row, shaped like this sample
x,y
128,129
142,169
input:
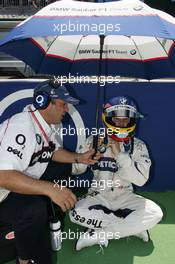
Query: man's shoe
x,y
144,236
90,238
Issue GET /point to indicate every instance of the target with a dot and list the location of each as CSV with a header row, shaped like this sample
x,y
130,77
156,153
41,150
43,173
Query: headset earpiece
x,y
41,100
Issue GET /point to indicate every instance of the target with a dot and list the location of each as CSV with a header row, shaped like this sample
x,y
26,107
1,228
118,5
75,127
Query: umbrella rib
x,y
140,56
78,45
50,44
165,28
76,51
167,52
136,46
163,46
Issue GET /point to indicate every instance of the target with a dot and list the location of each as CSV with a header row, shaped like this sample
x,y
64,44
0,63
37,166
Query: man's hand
x,y
18,182
115,146
87,157
63,197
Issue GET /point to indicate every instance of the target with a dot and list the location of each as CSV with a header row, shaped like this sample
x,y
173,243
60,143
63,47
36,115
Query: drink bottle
x,y
55,234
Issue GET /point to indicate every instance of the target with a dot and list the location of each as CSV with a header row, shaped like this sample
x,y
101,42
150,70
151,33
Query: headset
x,y
42,99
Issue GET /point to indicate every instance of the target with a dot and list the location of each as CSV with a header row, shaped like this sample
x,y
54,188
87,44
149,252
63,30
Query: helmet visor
x,y
121,111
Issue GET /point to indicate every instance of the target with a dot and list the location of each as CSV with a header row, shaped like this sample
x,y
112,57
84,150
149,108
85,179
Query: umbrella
x,y
64,37
129,56
127,38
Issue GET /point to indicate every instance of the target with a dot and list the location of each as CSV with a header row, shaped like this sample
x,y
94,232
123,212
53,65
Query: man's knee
x,y
155,211
158,214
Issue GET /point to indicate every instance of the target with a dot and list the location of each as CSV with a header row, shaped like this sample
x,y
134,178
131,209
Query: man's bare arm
x,y
18,182
64,156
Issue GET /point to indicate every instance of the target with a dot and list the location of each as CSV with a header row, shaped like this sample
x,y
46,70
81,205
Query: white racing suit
x,y
110,205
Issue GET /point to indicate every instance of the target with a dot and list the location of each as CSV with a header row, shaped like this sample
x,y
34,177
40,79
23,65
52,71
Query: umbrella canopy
x,y
141,57
64,37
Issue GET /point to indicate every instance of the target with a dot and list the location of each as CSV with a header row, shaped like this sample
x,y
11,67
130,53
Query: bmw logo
x,y
133,52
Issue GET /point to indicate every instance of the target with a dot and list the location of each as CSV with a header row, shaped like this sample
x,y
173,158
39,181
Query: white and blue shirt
x,y
27,143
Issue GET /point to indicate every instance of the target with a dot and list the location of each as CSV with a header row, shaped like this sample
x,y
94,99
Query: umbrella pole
x,y
97,112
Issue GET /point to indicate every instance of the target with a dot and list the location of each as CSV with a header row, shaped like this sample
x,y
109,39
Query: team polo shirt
x,y
27,143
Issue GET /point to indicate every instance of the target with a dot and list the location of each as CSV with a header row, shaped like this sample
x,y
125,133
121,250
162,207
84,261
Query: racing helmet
x,y
120,106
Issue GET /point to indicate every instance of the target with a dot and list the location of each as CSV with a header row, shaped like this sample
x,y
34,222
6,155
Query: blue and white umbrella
x,y
64,37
